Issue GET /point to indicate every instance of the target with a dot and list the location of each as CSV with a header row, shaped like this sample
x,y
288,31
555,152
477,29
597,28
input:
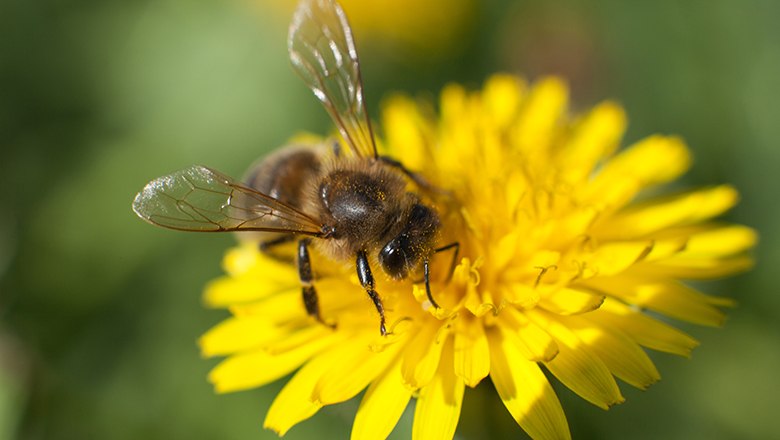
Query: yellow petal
x,y
358,364
339,293
452,103
577,367
612,258
515,190
238,334
643,329
478,301
382,405
225,291
504,249
246,260
720,242
532,341
294,404
472,357
645,218
302,336
540,116
421,355
438,405
520,295
665,296
597,136
403,126
286,307
241,259
502,96
711,240
656,159
524,389
624,358
258,368
457,134
567,301
693,268
287,304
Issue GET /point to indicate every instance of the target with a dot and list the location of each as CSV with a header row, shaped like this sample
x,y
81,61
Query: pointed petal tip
x,y
644,386
220,389
471,383
615,402
275,430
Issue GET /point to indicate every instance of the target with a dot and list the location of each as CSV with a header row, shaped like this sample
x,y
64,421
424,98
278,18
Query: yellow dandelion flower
x,y
555,252
432,28
561,256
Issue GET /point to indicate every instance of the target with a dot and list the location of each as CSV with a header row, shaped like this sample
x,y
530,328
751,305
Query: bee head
x,y
403,253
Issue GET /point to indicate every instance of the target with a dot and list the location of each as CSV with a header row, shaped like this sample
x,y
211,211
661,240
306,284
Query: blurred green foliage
x,y
99,313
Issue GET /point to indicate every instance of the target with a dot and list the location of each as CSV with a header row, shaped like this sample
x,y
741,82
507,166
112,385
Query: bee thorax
x,y
364,206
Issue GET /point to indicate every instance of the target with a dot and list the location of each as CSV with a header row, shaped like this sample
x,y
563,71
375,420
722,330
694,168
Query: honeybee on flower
x,y
556,259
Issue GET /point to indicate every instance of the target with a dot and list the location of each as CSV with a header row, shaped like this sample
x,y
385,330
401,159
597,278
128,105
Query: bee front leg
x,y
427,278
367,281
310,299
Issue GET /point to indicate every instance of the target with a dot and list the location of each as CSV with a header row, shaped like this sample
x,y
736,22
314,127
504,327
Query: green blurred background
x,y
99,312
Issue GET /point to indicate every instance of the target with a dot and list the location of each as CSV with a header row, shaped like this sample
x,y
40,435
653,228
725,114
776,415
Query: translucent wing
x,y
201,199
323,53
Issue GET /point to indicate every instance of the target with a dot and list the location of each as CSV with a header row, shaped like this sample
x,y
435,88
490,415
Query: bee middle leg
x,y
310,298
367,281
418,179
426,269
454,245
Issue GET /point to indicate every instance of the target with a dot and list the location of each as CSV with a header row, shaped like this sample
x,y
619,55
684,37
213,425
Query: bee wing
x,y
203,200
323,53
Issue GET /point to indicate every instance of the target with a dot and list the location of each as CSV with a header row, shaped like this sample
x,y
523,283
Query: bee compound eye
x,y
393,257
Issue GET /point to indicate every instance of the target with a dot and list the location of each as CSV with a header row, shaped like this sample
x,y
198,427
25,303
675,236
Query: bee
x,y
348,203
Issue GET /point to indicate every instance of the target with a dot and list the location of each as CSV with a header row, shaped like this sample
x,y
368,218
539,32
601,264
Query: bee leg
x,y
267,247
456,245
310,299
367,281
427,275
336,148
418,179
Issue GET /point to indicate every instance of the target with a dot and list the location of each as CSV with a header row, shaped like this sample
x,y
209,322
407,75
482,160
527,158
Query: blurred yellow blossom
x,y
429,28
